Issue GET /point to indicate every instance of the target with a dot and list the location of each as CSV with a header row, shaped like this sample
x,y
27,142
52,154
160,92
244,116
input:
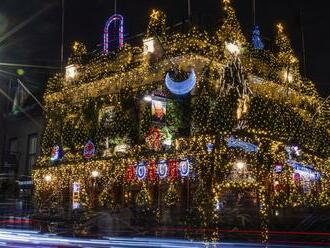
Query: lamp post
x,y
95,174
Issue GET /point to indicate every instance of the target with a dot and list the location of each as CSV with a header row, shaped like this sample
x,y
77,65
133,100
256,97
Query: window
x,y
32,151
13,146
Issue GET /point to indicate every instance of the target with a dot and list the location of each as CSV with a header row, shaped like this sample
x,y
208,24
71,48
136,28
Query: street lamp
x,y
95,174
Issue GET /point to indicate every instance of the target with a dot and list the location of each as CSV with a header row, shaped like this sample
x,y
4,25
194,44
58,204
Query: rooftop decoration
x,y
256,39
106,39
183,87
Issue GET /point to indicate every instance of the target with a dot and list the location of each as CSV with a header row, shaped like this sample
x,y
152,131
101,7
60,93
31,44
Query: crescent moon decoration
x,y
183,87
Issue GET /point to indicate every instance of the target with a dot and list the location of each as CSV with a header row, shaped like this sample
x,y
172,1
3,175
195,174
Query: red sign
x,y
152,171
130,173
173,169
89,150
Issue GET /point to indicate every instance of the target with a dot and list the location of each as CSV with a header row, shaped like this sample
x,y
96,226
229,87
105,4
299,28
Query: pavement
x,y
11,238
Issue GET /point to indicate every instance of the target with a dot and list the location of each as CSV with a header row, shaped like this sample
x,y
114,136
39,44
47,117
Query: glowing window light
x,y
287,76
148,45
232,48
71,72
113,18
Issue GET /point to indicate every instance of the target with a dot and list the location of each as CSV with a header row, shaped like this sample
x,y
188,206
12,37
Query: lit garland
x,y
280,111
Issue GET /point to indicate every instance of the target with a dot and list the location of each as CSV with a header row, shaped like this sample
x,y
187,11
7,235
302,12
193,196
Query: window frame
x,y
28,154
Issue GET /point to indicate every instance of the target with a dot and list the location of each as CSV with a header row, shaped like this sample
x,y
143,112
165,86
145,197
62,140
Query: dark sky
x,y
39,41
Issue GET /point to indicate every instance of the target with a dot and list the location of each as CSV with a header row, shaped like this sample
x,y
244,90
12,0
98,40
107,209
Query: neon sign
x,y
113,18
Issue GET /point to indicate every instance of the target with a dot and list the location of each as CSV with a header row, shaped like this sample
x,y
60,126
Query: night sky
x,y
39,41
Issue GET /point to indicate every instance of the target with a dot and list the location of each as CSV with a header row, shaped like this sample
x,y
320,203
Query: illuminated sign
x,y
89,150
246,146
75,195
305,172
56,153
141,171
163,169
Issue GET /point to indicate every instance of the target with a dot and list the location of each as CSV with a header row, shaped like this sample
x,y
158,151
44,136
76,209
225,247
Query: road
x,y
11,238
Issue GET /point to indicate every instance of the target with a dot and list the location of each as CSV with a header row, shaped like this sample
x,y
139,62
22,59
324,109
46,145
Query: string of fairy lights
x,y
250,105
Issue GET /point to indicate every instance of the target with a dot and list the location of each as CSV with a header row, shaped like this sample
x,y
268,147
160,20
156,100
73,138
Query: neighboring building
x,y
21,126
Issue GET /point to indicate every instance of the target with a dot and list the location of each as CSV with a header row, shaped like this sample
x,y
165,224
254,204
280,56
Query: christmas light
x,y
240,165
147,98
229,151
48,178
95,174
232,48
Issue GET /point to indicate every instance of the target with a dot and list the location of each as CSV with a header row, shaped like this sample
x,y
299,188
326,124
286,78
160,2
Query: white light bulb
x,y
147,98
95,173
240,165
232,48
48,178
